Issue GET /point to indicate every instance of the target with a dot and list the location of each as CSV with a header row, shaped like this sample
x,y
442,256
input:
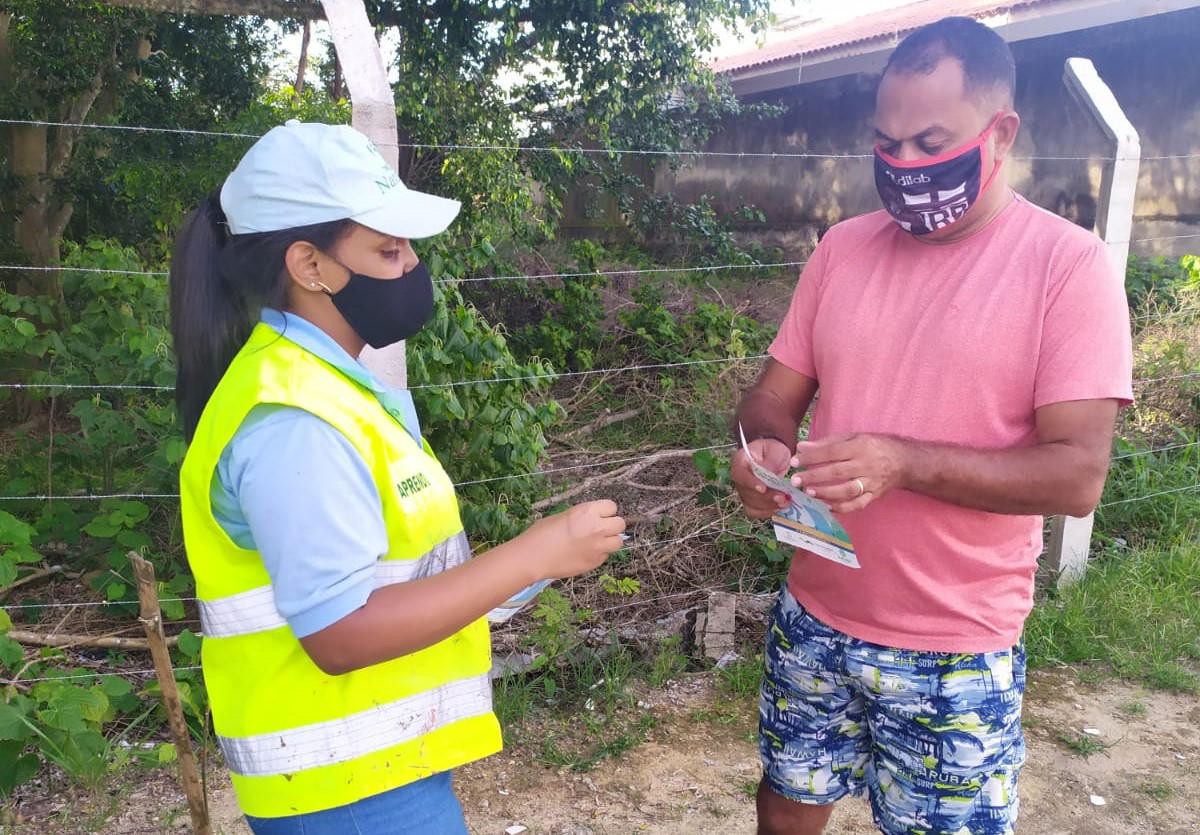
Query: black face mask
x,y
386,310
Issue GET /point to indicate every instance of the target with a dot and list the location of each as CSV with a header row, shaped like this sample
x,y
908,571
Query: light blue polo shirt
x,y
291,487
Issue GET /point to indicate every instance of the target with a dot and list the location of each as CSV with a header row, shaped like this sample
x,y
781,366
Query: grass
x,y
1152,497
583,743
723,712
742,678
1133,708
668,662
1136,612
737,693
582,710
1159,790
1083,745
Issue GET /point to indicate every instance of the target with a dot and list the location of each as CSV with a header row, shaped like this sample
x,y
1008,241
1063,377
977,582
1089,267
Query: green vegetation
x,y
85,336
1083,745
1159,790
1135,612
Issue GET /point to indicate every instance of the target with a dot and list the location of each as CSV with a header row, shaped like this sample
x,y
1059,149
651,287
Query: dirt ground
x,y
697,770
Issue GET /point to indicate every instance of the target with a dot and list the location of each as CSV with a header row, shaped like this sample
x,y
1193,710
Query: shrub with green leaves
x,y
1156,280
16,548
698,232
561,320
73,718
115,433
483,414
743,538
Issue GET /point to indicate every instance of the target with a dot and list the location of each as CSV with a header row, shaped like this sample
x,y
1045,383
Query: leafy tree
x,y
202,74
75,63
568,75
59,63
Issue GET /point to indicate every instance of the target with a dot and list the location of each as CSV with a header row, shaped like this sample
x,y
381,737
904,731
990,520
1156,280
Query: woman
x,y
346,653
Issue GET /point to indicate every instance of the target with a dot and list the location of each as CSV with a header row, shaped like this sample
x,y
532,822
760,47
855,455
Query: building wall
x,y
1150,64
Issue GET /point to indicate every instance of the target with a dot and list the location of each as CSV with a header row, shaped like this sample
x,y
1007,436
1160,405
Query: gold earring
x,y
324,289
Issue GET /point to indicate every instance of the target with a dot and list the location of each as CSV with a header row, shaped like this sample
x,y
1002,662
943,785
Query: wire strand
x,y
90,603
86,386
88,497
445,281
592,372
630,546
98,674
1147,381
452,384
1152,495
131,128
557,375
1154,451
650,271
1158,238
575,467
550,149
1170,314
551,471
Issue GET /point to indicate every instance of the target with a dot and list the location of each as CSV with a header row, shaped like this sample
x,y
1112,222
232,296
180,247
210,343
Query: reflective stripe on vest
x,y
339,740
254,611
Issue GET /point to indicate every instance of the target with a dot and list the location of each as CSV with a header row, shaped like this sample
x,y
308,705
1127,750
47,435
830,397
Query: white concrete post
x,y
373,112
1070,537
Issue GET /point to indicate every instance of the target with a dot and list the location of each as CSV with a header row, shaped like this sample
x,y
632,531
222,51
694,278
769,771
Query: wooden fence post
x,y
1070,537
151,618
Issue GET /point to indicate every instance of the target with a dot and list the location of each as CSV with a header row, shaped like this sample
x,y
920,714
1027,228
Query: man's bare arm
x,y
1063,473
776,404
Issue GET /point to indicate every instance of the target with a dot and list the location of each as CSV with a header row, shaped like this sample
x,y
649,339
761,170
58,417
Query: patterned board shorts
x,y
934,738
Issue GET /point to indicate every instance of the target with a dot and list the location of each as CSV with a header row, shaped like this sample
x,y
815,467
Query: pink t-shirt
x,y
956,343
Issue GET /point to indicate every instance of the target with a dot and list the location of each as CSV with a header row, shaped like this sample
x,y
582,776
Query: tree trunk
x,y
303,63
338,83
33,230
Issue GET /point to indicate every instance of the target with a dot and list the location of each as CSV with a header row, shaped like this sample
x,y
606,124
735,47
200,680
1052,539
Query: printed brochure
x,y
807,522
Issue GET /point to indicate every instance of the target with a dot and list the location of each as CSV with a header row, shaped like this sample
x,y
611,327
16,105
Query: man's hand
x,y
848,472
760,501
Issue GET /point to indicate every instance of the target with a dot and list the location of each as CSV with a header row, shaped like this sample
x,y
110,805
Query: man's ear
x,y
303,263
1005,134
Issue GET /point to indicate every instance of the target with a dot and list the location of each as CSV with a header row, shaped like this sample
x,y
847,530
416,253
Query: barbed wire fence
x,y
600,467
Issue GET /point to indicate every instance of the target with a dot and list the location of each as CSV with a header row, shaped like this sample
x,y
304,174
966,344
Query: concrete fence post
x,y
1070,537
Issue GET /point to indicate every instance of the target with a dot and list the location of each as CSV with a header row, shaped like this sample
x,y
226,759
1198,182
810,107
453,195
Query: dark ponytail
x,y
219,285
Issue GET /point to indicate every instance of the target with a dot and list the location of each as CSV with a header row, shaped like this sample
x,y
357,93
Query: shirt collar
x,y
398,402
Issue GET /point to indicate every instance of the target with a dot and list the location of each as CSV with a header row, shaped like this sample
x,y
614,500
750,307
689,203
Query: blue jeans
x,y
426,807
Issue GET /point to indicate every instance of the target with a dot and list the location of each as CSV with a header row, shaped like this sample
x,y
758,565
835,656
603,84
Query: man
x,y
971,352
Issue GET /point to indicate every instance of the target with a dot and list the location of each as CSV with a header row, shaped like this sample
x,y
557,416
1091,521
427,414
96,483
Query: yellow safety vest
x,y
298,740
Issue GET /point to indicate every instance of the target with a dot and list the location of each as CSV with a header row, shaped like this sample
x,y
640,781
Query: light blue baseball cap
x,y
301,173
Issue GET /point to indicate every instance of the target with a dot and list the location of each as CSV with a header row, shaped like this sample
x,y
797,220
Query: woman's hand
x,y
576,540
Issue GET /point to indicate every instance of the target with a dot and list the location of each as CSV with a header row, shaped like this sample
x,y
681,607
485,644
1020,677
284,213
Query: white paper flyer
x,y
807,523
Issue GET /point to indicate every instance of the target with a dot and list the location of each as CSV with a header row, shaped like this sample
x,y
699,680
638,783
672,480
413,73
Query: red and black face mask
x,y
926,195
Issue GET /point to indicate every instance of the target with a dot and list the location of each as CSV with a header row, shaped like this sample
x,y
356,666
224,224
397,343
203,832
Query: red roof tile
x,y
887,25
